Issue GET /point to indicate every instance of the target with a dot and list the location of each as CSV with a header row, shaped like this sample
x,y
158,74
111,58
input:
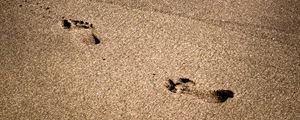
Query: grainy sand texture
x,y
150,59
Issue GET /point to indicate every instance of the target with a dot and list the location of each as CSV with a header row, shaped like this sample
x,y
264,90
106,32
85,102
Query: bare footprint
x,y
81,31
187,87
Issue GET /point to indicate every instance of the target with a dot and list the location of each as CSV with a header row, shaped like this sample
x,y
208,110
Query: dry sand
x,y
249,47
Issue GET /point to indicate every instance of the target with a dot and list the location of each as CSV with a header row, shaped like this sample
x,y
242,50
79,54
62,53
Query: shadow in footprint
x,y
185,80
66,24
96,40
223,95
171,86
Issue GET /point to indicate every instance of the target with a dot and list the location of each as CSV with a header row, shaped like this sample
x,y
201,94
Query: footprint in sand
x,y
82,31
186,86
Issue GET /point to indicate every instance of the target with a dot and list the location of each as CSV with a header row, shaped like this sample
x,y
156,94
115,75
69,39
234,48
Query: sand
x,y
48,71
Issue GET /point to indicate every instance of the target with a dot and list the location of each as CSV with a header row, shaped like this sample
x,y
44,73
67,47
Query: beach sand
x,y
128,59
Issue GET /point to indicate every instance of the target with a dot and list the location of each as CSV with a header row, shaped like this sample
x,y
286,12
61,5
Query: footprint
x,y
186,86
82,31
81,24
181,85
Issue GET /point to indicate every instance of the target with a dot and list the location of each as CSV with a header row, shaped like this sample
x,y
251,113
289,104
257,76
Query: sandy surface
x,y
49,72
